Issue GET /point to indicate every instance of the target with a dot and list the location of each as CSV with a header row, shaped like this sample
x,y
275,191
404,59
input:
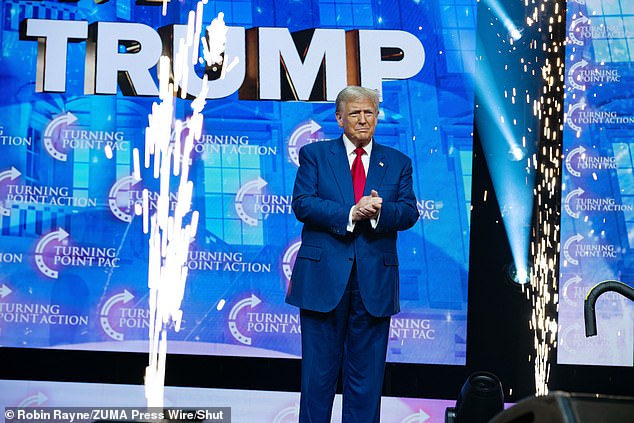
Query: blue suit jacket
x,y
322,198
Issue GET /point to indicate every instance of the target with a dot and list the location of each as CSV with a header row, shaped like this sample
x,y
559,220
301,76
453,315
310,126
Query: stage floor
x,y
246,406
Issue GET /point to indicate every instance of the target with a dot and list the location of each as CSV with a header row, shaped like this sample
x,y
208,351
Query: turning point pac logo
x,y
123,196
569,160
305,133
114,302
53,252
429,209
577,161
574,250
126,198
581,74
53,139
45,252
60,138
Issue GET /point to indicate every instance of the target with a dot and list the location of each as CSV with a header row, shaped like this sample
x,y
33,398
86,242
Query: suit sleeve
x,y
309,207
401,214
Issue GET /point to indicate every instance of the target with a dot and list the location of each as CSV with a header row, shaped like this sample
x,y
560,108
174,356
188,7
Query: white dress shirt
x,y
365,159
350,147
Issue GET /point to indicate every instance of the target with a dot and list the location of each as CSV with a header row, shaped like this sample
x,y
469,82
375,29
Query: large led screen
x,y
78,82
597,218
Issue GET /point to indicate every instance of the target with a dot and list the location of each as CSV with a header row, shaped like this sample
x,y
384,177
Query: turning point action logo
x,y
13,140
7,176
288,259
60,138
249,302
252,204
577,116
574,204
574,291
18,194
581,29
119,317
229,144
244,321
39,314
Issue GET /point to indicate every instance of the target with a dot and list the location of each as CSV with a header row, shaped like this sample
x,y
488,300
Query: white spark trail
x,y
170,157
545,243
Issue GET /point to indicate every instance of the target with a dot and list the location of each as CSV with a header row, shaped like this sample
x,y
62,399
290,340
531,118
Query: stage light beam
x,y
542,66
498,10
504,154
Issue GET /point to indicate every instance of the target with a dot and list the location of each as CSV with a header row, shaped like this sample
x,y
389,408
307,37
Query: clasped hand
x,y
368,207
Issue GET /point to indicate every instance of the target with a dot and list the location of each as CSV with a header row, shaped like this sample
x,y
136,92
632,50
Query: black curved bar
x,y
594,294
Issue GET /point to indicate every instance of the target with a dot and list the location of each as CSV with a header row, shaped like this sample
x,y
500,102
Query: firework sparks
x,y
548,16
169,156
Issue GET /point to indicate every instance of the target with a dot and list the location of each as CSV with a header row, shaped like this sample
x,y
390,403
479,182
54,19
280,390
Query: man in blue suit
x,y
353,195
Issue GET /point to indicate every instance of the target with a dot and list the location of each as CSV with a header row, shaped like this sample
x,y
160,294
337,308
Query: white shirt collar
x,y
350,147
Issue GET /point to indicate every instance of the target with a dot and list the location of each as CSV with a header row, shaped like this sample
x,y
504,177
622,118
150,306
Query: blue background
x,y
429,117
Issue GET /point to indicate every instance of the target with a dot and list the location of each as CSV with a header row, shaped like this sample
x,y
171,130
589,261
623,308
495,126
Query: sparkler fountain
x,y
169,157
549,17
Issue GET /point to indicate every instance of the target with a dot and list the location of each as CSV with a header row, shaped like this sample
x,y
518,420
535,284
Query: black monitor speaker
x,y
563,407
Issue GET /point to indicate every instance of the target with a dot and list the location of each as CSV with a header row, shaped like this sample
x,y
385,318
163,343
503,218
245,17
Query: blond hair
x,y
352,93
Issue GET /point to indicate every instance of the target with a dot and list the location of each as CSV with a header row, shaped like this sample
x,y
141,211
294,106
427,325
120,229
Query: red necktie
x,y
358,174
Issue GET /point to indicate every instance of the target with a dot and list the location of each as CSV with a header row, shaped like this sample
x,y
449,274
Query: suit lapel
x,y
376,171
341,170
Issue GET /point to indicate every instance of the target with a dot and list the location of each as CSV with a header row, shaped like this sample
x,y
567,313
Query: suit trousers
x,y
346,339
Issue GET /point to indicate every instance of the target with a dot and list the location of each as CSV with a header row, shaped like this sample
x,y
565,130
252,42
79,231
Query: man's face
x,y
358,119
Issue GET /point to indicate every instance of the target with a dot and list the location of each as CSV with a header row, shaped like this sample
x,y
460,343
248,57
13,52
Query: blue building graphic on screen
x,y
75,104
597,219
